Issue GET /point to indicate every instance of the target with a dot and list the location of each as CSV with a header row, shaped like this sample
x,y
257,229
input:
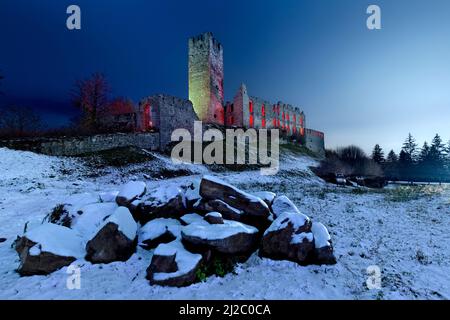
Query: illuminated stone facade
x,y
206,78
206,75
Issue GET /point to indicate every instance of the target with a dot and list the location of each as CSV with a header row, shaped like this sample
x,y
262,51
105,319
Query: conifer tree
x,y
378,154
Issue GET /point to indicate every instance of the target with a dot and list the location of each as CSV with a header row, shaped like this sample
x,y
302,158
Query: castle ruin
x,y
206,103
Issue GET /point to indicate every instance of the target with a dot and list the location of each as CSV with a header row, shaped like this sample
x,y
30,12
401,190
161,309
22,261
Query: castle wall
x,y
255,112
74,146
206,78
170,113
315,141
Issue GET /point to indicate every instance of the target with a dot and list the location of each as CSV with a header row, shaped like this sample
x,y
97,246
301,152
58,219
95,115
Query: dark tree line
x,y
429,163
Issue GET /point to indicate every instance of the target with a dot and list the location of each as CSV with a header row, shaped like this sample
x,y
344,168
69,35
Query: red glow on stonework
x,y
302,131
250,109
147,117
274,122
263,116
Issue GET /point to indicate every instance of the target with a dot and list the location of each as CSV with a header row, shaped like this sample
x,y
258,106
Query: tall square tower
x,y
206,78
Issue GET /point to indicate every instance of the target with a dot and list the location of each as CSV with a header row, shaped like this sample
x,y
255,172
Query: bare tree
x,y
90,96
16,121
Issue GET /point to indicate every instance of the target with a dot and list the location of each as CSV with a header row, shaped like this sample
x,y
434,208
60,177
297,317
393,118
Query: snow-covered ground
x,y
408,239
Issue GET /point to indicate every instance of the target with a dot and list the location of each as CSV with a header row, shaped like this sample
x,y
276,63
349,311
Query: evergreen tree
x,y
378,154
424,153
404,158
410,148
437,150
392,157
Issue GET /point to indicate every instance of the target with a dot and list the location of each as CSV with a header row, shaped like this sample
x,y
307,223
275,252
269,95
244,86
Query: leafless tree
x,y
90,96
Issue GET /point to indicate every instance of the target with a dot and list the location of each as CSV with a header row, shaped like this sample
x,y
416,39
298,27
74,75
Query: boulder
x,y
288,238
230,237
191,194
161,202
130,192
212,189
323,248
227,211
214,218
91,217
172,265
282,204
48,248
115,241
266,196
110,196
192,218
159,231
67,212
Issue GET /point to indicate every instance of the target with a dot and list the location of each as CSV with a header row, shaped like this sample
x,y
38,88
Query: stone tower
x,y
206,78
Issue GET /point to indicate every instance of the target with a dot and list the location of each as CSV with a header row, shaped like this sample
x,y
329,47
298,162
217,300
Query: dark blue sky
x,y
356,85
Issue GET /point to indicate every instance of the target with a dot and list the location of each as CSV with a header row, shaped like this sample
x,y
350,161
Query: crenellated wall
x,y
254,112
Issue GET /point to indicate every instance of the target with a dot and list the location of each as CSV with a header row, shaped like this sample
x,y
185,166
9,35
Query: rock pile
x,y
189,228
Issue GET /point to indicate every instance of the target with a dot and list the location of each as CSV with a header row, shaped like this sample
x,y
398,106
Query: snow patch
x,y
92,218
322,237
185,260
217,231
123,218
300,238
132,189
296,219
158,227
56,239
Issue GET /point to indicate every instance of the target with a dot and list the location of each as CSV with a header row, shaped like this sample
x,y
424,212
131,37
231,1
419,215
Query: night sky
x,y
356,85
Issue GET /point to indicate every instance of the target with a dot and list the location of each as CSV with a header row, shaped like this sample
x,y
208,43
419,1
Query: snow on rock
x,y
110,196
288,238
165,201
324,252
123,218
322,237
298,221
72,207
282,204
193,218
172,265
92,217
159,231
266,196
48,248
214,218
130,191
116,240
301,237
227,211
231,237
212,188
192,194
57,239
